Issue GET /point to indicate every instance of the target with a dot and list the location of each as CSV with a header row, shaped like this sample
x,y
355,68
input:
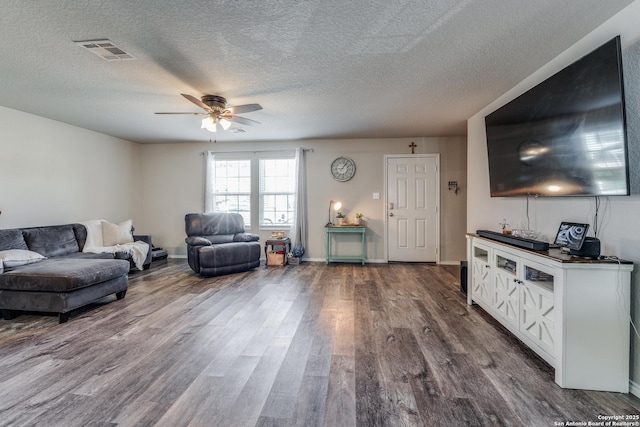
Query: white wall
x,y
173,186
620,229
54,173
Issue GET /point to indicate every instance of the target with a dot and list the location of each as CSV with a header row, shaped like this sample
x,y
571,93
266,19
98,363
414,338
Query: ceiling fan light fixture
x,y
209,124
225,123
217,113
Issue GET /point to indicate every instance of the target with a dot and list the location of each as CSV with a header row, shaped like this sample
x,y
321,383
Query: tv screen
x,y
566,136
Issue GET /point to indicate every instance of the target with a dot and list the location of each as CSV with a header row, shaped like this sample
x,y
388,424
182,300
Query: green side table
x,y
341,229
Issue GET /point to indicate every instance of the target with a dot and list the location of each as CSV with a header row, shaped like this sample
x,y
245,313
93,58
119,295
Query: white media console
x,y
573,312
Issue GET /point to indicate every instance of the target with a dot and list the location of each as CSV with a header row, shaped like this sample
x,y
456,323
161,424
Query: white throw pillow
x,y
94,233
17,257
117,234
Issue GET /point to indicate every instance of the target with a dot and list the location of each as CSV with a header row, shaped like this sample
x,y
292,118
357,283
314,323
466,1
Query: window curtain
x,y
208,181
298,231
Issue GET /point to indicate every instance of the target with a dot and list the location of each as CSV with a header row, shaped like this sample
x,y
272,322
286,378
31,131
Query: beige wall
x,y
619,230
54,173
173,185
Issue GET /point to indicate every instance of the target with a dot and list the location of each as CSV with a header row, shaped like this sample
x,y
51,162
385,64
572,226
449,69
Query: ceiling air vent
x,y
105,49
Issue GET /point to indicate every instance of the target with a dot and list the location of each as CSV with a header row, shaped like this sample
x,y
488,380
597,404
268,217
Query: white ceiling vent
x,y
105,49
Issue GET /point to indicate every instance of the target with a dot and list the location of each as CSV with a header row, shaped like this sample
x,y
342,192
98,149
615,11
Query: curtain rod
x,y
256,152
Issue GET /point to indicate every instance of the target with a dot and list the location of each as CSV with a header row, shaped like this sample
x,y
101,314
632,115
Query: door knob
x,y
390,213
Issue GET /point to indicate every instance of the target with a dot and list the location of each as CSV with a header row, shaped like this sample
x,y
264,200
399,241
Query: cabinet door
x,y
537,307
481,286
506,293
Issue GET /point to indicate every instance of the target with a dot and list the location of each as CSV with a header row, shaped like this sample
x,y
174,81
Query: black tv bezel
x,y
548,82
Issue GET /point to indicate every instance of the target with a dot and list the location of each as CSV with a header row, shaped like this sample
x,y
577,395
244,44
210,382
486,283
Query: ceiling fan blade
x,y
243,120
196,114
196,101
246,108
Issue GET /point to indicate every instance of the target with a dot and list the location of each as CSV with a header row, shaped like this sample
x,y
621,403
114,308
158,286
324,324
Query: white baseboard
x,y
449,263
634,388
367,261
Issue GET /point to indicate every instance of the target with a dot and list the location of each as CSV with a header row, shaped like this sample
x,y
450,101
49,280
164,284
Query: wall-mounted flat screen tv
x,y
566,136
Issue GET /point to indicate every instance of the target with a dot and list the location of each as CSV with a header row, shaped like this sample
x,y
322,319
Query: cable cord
x,y
595,217
621,295
528,225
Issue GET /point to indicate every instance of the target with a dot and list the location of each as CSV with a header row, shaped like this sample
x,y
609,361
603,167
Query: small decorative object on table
x,y
359,218
341,218
505,226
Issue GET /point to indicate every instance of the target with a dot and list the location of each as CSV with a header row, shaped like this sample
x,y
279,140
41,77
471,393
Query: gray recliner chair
x,y
217,244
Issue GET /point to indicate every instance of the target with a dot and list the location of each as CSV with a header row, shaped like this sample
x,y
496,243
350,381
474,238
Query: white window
x,y
277,192
259,186
232,187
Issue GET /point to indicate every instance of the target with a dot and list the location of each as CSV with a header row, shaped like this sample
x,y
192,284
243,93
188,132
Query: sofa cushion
x,y
81,235
87,255
62,275
16,257
12,239
51,241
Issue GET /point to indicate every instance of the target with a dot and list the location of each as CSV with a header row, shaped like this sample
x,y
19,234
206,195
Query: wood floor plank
x,y
340,408
282,396
311,402
307,345
370,404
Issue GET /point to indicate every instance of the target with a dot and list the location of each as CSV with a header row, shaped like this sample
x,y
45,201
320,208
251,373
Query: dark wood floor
x,y
307,345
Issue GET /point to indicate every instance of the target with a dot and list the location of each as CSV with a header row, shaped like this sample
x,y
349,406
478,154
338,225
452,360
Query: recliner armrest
x,y
246,237
197,241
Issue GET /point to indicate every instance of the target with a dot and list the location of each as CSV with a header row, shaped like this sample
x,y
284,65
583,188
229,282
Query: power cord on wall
x,y
528,225
595,217
619,292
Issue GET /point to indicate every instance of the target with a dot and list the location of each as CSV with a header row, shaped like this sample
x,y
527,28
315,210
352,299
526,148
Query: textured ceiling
x,y
320,69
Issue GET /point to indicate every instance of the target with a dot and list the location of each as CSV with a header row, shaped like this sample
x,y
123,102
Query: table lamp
x,y
336,206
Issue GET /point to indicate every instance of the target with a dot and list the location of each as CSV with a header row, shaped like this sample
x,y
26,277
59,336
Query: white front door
x,y
412,208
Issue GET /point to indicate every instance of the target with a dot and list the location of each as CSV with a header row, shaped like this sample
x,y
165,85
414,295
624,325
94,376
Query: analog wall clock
x,y
343,169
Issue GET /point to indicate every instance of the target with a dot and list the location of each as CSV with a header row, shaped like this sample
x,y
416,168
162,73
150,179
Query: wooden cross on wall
x,y
413,147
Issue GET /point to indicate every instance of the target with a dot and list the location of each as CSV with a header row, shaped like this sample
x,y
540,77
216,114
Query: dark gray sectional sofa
x,y
67,279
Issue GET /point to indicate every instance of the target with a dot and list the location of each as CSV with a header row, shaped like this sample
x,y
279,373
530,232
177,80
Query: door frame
x,y
385,211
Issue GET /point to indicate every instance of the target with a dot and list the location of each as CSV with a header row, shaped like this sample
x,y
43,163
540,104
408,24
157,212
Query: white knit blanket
x,y
138,249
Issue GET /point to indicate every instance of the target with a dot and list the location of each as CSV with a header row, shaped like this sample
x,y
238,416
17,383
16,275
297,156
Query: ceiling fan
x,y
218,113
